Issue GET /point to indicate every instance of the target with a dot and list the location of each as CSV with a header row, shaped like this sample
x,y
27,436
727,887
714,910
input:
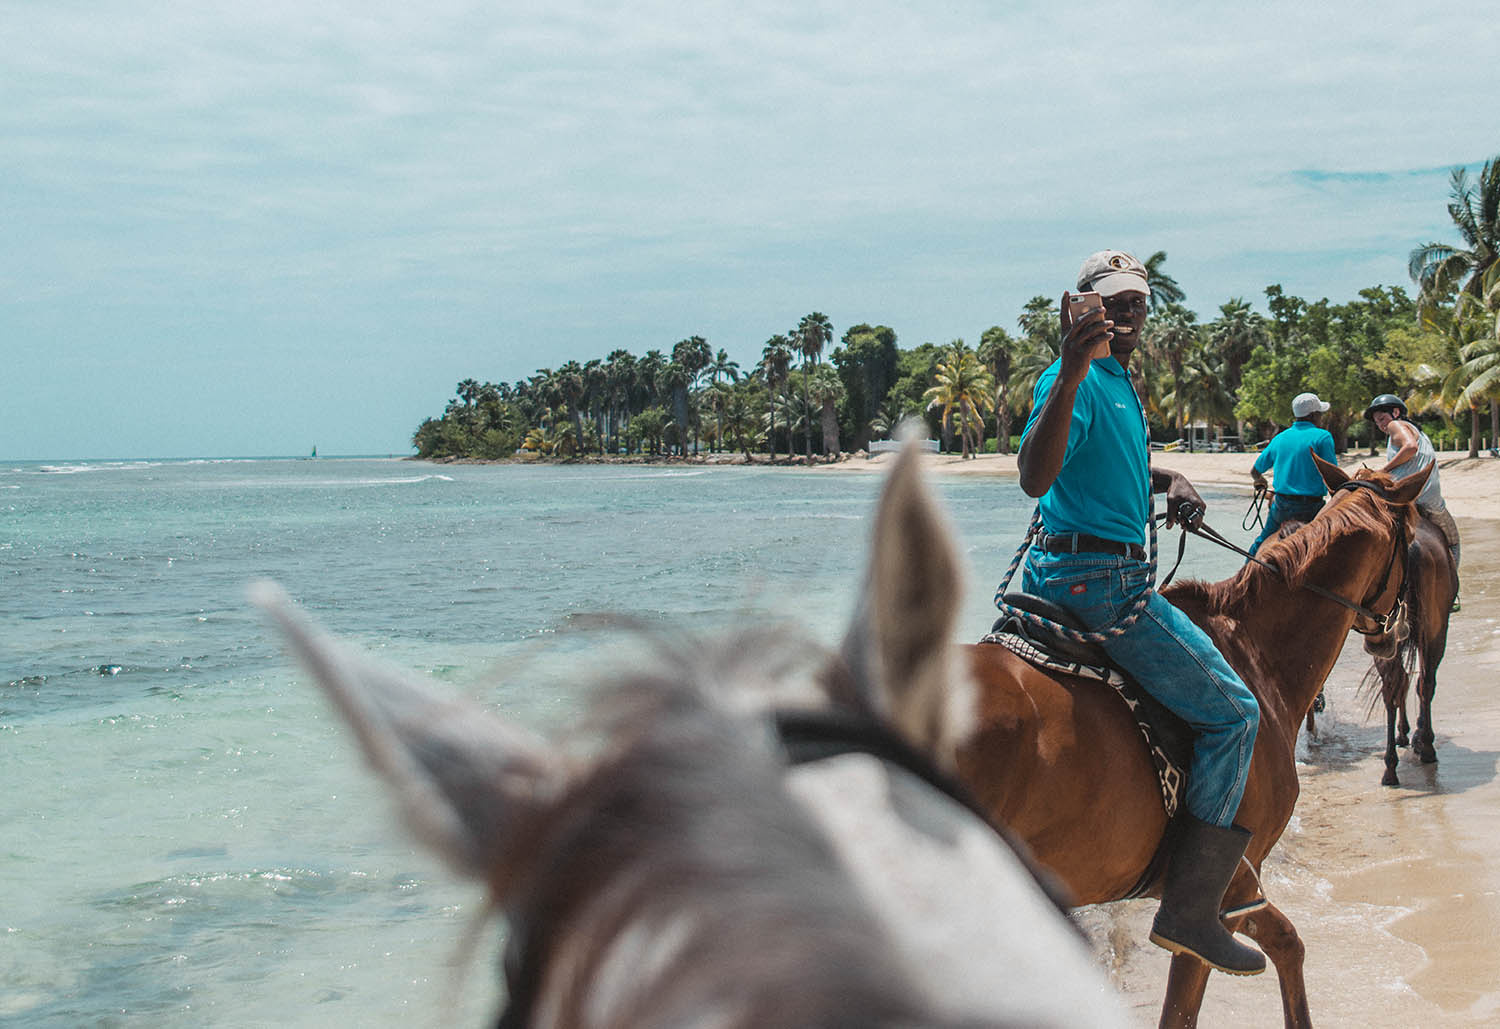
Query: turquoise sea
x,y
186,836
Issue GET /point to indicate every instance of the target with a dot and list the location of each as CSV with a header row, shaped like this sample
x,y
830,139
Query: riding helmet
x,y
1386,401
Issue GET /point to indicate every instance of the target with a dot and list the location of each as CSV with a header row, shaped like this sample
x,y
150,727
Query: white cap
x,y
1304,404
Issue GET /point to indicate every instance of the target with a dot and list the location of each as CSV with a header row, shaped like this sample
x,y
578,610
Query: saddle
x,y
1168,738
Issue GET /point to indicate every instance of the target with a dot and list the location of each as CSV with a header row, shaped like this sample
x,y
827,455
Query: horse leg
x,y
1185,985
1284,949
1424,739
1312,727
1390,778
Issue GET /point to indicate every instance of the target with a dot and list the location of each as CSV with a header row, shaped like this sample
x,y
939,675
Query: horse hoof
x,y
1403,740
1390,779
1429,757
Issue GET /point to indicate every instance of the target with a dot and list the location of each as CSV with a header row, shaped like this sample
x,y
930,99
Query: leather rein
x,y
1383,623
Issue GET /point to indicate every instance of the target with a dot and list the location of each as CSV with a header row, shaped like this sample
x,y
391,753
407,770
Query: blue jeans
x,y
1286,507
1171,658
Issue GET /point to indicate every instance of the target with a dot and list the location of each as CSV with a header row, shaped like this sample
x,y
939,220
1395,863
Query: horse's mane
x,y
682,854
1290,555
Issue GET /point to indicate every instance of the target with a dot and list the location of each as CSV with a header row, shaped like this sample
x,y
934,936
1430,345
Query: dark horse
x,y
1060,761
674,865
1415,648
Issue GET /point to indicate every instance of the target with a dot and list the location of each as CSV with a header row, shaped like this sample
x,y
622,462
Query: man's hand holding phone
x,y
1085,333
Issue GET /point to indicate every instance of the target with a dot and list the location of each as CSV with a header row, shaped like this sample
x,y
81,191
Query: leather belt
x,y
1083,543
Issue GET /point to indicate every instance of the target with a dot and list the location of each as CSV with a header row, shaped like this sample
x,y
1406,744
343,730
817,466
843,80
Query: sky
x,y
249,229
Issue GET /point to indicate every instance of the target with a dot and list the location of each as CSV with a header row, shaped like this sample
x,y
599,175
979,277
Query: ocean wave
x,y
387,481
296,484
83,467
661,475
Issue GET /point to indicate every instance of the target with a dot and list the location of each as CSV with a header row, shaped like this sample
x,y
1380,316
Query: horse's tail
x,y
1389,677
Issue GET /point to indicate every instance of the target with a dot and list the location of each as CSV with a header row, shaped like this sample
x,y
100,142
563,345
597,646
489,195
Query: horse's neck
x,y
1297,635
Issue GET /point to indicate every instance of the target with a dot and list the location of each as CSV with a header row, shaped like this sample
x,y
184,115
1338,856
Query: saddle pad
x,y
1169,773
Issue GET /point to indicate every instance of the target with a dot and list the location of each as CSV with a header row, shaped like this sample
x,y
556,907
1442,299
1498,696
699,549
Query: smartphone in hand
x,y
1079,305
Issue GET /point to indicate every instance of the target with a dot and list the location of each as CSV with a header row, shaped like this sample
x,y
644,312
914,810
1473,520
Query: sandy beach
x,y
1394,890
1471,486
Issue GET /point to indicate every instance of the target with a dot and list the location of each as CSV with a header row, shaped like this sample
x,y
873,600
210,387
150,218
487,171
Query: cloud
x,y
545,172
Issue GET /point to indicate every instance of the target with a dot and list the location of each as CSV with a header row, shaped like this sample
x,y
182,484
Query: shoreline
x,y
1471,485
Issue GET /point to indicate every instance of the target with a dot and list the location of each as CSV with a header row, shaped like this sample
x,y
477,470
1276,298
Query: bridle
x,y
1383,623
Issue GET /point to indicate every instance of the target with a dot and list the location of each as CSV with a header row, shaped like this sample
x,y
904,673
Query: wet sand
x,y
1394,890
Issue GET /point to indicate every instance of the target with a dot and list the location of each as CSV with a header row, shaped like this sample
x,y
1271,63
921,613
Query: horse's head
x,y
679,873
1372,502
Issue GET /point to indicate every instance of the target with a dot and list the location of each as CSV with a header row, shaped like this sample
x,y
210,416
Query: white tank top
x,y
1432,493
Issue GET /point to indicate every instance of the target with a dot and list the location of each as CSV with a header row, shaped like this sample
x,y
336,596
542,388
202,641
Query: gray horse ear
x,y
468,785
1333,475
899,649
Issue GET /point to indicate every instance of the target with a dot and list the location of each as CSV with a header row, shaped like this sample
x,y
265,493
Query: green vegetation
x,y
1232,378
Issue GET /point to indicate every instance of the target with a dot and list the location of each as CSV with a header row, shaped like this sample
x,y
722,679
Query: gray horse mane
x,y
685,836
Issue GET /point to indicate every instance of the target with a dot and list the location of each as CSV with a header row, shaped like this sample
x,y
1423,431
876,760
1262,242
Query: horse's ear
x,y
898,648
1333,475
1408,488
467,784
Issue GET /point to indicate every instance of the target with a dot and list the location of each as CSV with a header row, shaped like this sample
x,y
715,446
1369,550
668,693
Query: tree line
x,y
1231,378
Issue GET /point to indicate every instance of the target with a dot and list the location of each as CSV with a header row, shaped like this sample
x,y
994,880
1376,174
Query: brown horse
x,y
672,865
1061,762
1416,646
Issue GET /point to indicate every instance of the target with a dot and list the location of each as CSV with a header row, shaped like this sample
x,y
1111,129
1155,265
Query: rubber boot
x,y
1203,861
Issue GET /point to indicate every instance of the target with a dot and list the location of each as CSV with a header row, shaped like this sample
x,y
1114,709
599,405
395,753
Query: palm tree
x,y
1169,339
1000,352
692,355
776,365
721,367
1441,270
739,419
1164,288
887,417
620,373
650,372
1234,336
1202,393
570,382
811,335
675,379
796,413
827,391
596,397
964,386
1038,322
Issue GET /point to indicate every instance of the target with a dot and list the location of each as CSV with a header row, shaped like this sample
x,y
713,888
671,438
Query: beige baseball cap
x,y
1112,271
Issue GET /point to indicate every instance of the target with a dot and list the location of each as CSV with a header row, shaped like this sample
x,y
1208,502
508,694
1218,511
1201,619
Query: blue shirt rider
x,y
1300,489
1085,454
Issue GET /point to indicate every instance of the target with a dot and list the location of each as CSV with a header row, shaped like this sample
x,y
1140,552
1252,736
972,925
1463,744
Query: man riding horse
x,y
1085,454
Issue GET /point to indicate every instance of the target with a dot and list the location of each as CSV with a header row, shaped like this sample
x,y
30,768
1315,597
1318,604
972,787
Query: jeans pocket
x,y
1092,594
1135,579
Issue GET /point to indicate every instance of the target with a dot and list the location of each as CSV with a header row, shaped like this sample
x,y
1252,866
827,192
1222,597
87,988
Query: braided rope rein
x,y
1119,628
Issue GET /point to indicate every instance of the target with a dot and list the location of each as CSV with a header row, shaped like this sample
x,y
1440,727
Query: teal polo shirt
x,y
1104,488
1293,472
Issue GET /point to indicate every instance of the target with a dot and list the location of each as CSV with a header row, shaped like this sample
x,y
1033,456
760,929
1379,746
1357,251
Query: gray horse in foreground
x,y
685,872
